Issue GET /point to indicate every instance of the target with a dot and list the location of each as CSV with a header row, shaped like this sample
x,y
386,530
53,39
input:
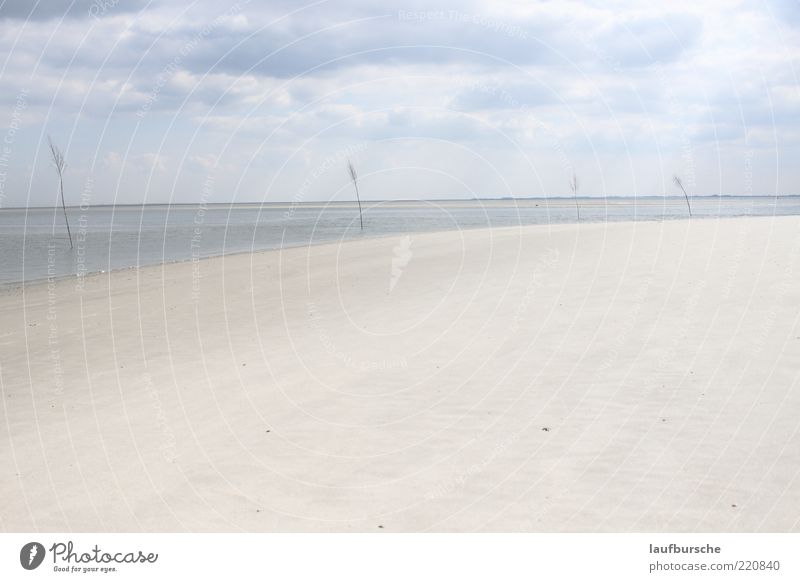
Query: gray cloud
x,y
317,47
604,80
56,9
506,94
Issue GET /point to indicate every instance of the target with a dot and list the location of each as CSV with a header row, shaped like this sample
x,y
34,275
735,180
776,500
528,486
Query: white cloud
x,y
247,87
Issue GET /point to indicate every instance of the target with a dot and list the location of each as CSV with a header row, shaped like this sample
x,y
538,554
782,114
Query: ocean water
x,y
34,244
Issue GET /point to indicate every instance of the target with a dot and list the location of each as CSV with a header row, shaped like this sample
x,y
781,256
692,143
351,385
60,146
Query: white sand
x,y
295,392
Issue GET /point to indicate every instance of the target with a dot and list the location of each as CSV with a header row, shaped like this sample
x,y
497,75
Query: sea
x,y
34,243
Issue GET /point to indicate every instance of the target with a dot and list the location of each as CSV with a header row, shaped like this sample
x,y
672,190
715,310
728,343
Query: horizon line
x,y
403,200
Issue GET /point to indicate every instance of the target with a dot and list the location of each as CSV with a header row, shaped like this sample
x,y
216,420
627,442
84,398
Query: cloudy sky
x,y
162,101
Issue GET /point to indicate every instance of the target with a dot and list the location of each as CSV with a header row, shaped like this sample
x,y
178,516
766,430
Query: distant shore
x,y
627,376
565,200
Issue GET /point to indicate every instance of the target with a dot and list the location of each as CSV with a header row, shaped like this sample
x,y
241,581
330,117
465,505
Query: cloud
x,y
642,41
58,9
246,85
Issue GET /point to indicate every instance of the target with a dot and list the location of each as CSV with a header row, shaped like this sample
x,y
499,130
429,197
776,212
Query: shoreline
x,y
49,280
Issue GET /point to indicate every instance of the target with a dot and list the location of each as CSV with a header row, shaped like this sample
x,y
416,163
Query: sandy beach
x,y
594,377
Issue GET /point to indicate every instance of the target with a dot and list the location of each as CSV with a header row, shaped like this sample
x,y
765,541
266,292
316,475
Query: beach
x,y
612,377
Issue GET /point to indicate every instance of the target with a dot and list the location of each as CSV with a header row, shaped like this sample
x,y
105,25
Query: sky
x,y
203,102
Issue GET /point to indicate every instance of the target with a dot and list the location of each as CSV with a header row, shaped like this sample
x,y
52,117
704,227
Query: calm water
x,y
34,246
